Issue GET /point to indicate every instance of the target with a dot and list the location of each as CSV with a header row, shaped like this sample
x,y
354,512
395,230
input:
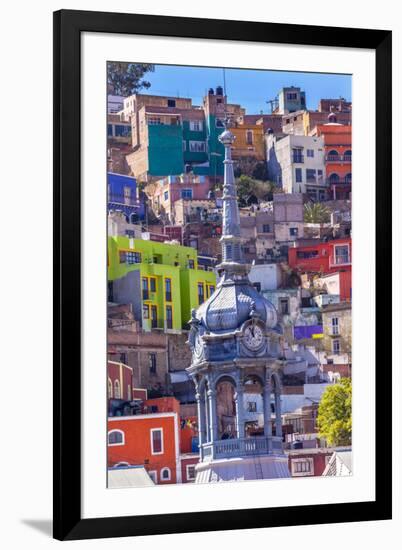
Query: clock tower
x,y
236,364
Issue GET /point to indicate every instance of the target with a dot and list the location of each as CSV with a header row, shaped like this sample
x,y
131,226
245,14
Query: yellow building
x,y
249,141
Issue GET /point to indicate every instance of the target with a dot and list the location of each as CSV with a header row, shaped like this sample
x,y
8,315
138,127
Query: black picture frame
x,y
68,26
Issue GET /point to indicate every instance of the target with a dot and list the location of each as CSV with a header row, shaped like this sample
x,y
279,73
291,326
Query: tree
x,y
249,188
316,212
125,79
335,413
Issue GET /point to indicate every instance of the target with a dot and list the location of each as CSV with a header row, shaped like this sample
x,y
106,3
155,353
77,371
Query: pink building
x,y
172,188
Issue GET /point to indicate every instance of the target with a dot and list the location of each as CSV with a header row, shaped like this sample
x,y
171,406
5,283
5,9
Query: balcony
x,y
340,182
248,446
122,200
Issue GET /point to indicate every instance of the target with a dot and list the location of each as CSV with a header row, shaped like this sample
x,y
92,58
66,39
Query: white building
x,y
265,276
296,163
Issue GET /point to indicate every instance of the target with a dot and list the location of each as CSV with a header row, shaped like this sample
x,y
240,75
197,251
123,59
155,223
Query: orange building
x,y
338,156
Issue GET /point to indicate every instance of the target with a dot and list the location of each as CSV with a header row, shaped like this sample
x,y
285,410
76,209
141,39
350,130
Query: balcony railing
x,y
118,198
338,261
248,446
338,158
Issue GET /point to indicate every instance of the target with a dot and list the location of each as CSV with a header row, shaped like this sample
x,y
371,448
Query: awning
x,y
130,476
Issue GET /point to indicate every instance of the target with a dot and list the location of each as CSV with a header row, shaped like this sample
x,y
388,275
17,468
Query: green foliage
x,y
316,212
249,188
335,413
125,79
249,166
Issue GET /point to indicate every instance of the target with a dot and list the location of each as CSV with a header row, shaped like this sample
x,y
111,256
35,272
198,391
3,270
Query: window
x,y
129,392
190,471
110,130
122,131
249,137
197,146
294,231
145,288
302,466
299,175
342,254
168,290
284,306
219,123
310,153
152,284
115,437
165,474
186,194
336,346
307,254
109,389
335,325
171,103
132,258
169,317
266,228
191,264
196,125
154,316
145,311
211,289
347,156
117,394
166,195
298,155
200,290
152,363
310,175
184,145
333,155
252,406
157,441
291,96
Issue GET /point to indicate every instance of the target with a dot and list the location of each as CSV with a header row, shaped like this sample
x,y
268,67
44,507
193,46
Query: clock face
x,y
253,337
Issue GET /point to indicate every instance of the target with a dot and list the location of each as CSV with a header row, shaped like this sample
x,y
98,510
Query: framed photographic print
x,y
204,322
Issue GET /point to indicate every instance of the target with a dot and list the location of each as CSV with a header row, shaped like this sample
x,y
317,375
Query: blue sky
x,y
250,88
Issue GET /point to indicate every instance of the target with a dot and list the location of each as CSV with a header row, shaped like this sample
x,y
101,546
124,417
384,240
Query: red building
x,y
119,381
308,462
338,156
329,257
159,439
149,440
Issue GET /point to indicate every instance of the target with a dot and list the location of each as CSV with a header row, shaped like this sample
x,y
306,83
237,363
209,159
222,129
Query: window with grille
x,y
133,258
197,146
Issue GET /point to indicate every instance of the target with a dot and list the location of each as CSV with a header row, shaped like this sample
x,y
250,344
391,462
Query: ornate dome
x,y
232,304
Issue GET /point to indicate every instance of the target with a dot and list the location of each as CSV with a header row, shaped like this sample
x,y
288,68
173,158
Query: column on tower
x,y
239,408
278,419
267,407
213,425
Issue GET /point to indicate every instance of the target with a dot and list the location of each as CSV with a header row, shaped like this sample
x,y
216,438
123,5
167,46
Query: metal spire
x,y
232,253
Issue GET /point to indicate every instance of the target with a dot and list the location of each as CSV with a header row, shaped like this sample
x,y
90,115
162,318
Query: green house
x,y
167,283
